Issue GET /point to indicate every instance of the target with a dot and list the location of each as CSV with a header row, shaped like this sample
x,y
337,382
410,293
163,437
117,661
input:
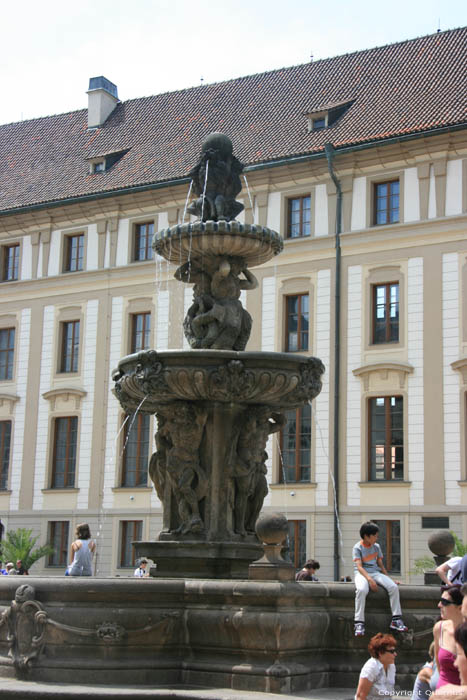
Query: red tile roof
x,y
395,90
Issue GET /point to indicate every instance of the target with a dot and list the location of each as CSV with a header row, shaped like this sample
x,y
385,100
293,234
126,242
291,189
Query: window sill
x,y
137,489
294,484
70,489
395,483
5,492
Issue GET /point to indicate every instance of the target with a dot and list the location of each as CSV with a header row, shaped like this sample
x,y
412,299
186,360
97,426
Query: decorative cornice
x,y
66,394
461,366
11,399
383,368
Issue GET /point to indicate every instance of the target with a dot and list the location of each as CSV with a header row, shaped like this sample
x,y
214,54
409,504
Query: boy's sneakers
x,y
398,625
359,629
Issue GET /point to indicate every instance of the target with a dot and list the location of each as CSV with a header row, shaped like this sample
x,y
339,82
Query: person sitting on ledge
x,y
308,571
457,692
371,573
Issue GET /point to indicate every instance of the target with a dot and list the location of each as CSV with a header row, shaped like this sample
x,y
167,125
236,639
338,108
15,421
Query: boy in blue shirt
x,y
370,572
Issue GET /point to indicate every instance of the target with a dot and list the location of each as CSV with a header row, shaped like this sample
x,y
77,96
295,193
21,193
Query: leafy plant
x,y
423,564
460,548
19,544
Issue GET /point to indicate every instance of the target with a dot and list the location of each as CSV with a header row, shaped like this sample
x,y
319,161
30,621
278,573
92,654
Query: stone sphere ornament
x,y
272,528
441,543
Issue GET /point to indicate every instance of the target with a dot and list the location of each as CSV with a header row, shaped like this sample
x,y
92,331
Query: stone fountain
x,y
216,405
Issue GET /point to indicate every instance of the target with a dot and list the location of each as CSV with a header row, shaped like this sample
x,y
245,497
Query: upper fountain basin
x,y
193,241
281,380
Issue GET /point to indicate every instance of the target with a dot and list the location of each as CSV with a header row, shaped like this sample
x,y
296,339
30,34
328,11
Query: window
x,y
296,446
295,549
390,542
318,123
70,347
10,262
143,241
386,199
74,251
386,313
64,455
297,322
5,441
140,332
386,435
58,538
98,167
7,349
131,531
136,450
435,522
299,217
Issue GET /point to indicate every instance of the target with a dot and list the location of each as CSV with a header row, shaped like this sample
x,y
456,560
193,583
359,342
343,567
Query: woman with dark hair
x,y
457,692
378,675
82,550
443,633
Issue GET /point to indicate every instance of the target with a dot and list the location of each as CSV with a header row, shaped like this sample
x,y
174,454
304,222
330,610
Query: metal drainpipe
x,y
330,153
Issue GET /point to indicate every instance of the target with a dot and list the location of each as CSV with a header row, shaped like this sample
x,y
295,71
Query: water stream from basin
x,y
253,210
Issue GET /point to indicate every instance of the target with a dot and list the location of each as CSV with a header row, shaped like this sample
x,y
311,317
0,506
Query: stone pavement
x,y
13,689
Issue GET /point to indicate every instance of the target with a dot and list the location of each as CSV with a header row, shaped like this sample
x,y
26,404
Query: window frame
x,y
388,554
148,252
72,421
124,524
9,353
6,248
388,209
64,543
302,211
69,260
146,329
297,466
5,458
388,440
299,557
129,424
74,356
387,322
299,296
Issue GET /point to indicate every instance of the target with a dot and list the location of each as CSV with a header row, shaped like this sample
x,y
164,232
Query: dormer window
x,y
102,163
318,123
326,115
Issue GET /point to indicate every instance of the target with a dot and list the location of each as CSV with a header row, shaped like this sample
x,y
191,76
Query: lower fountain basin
x,y
279,380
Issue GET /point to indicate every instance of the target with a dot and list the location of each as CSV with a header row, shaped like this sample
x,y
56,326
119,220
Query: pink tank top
x,y
448,673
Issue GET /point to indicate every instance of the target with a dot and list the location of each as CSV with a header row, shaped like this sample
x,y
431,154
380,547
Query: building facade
x,y
372,146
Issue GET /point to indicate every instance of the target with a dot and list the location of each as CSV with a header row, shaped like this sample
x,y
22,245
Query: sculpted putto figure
x,y
181,428
216,180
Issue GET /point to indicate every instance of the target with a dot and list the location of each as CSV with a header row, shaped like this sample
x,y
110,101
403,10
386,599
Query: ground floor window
x,y
58,538
295,545
130,531
390,542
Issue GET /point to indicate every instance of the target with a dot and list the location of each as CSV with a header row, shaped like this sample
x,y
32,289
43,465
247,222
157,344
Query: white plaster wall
x,y
23,343
452,448
26,258
358,219
320,409
163,220
39,260
43,412
161,341
415,438
432,195
92,250
113,409
411,195
54,254
107,249
454,187
155,502
87,404
241,216
273,220
321,211
243,298
269,449
122,242
354,389
268,314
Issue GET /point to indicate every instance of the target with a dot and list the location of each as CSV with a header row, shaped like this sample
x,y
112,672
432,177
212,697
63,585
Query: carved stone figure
x,y
249,465
217,319
216,181
181,428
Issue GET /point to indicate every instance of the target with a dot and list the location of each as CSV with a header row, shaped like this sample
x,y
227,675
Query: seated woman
x,y
82,550
378,675
457,692
443,633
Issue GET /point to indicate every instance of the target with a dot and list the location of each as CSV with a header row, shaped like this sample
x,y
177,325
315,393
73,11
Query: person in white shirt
x,y
378,675
141,572
450,571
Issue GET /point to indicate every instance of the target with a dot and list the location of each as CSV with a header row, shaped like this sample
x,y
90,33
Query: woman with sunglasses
x,y
443,633
378,674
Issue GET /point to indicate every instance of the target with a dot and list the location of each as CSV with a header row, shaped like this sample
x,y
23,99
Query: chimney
x,y
102,100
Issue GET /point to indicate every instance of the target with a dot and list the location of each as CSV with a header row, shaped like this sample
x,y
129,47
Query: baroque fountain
x,y
215,614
